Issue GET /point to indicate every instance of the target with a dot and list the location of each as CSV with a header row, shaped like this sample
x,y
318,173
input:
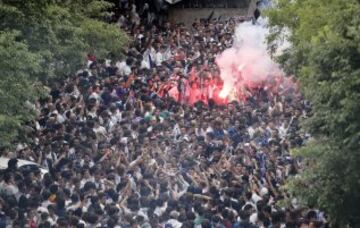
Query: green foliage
x,y
62,32
325,56
17,86
103,42
43,40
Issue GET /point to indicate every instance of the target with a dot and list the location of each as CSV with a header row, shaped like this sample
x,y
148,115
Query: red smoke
x,y
244,69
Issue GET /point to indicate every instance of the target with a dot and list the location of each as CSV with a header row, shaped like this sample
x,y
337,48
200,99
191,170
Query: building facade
x,y
186,11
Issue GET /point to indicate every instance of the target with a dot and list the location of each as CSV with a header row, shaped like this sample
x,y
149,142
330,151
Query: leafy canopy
x,y
17,65
62,32
44,40
325,56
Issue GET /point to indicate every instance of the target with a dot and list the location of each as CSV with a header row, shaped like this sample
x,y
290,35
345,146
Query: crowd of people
x,y
121,152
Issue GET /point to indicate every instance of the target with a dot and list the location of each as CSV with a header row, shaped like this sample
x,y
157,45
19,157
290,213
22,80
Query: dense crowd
x,y
120,154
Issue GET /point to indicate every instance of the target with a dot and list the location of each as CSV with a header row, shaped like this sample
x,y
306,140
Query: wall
x,y
188,15
213,4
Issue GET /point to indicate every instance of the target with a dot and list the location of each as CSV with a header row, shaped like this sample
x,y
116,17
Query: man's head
x,y
12,164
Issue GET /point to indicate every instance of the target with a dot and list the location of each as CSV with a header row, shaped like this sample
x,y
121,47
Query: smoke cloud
x,y
248,62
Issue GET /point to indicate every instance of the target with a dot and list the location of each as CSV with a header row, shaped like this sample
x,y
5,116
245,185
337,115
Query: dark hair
x,y
90,218
7,177
60,202
206,224
62,222
12,163
244,215
188,224
75,198
45,224
74,221
54,188
23,202
12,213
44,216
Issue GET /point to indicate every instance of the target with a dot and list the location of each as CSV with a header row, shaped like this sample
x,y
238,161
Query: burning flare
x,y
245,68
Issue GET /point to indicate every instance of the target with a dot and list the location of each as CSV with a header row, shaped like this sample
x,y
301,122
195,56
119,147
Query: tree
x,y
325,56
62,32
42,40
17,86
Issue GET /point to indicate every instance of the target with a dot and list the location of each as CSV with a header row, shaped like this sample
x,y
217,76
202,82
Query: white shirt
x,y
123,68
255,197
251,131
159,58
282,131
174,223
8,189
100,130
176,130
253,218
160,210
145,64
